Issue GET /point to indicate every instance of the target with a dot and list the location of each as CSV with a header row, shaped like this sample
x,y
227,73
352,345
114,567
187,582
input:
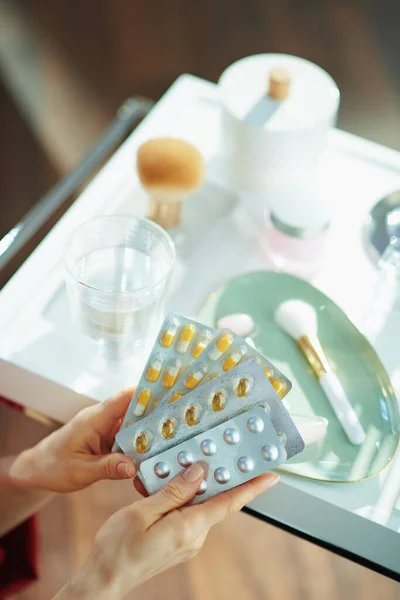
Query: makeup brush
x,y
299,320
169,169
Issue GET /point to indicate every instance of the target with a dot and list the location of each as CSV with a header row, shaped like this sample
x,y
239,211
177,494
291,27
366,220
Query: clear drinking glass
x,y
118,269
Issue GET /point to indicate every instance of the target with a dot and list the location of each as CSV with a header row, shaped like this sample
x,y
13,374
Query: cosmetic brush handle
x,y
344,411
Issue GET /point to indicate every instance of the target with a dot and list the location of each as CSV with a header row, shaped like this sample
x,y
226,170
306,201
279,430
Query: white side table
x,y
42,369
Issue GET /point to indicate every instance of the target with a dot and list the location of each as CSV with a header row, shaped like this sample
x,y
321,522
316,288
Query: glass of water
x,y
117,272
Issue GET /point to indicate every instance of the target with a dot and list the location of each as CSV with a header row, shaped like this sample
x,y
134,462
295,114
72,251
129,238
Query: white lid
x,y
313,97
304,207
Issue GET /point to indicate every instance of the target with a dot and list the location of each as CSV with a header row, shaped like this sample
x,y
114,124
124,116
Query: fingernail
x,y
192,473
125,470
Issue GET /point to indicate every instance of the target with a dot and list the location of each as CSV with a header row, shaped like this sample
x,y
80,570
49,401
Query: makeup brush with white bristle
x,y
300,321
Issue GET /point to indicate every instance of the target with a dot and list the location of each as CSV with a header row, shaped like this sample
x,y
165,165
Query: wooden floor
x,y
65,68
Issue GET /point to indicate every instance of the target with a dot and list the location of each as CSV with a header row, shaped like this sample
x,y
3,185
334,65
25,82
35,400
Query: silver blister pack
x,y
205,407
230,453
225,351
179,343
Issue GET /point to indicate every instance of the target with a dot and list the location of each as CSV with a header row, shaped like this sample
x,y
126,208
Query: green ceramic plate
x,y
356,363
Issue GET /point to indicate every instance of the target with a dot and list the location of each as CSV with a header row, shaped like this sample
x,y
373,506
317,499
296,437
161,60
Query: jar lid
x,y
312,95
301,210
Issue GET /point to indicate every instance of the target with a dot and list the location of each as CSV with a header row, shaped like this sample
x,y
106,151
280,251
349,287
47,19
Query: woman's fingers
x,y
177,492
216,509
173,495
116,406
105,417
113,466
103,414
229,503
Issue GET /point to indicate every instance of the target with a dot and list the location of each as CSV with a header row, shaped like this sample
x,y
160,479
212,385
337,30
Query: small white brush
x,y
299,320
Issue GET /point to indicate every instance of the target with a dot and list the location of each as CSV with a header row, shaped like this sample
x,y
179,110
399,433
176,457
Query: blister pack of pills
x,y
230,453
224,352
227,350
179,343
199,381
217,401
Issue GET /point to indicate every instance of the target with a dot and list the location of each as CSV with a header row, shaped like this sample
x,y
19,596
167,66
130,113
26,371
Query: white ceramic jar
x,y
268,142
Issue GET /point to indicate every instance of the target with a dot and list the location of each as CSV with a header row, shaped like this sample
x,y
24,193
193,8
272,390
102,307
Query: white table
x,y
43,368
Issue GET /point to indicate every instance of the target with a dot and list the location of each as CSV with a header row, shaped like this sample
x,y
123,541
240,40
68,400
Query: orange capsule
x,y
192,415
142,402
223,343
142,442
168,429
185,338
154,369
174,397
243,387
279,386
268,373
202,344
168,337
233,359
218,401
171,375
194,378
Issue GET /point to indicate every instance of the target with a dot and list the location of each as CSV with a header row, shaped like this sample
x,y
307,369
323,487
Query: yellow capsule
x,y
168,429
279,386
192,415
174,397
218,401
199,348
242,387
142,442
185,338
231,361
154,370
202,344
194,378
169,334
268,373
142,402
223,343
170,375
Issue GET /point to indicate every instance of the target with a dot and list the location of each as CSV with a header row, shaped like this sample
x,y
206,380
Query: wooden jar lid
x,y
279,83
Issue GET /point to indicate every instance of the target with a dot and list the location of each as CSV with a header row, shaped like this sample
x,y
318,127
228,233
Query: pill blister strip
x,y
224,352
230,454
179,343
221,399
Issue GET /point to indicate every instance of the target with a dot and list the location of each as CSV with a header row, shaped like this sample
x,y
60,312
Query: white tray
x,y
43,367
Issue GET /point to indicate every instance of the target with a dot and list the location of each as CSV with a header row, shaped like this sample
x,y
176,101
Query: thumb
x,y
174,494
114,466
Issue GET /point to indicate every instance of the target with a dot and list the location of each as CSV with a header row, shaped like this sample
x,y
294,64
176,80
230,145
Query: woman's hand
x,y
79,453
155,534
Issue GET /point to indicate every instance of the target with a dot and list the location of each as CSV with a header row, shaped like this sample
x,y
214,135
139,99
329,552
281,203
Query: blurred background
x,y
65,68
